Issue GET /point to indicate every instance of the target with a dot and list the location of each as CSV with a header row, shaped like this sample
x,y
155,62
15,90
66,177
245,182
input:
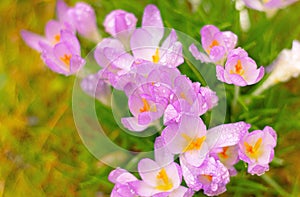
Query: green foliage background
x,y
41,153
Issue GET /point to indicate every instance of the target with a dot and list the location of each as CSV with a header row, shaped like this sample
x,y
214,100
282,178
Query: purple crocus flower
x,y
64,57
223,142
228,156
52,36
121,178
97,87
187,139
257,149
188,98
183,100
144,42
239,69
212,176
157,180
268,5
120,24
207,97
216,44
112,57
145,107
82,18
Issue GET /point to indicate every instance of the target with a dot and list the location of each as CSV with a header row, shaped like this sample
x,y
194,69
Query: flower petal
x,y
32,39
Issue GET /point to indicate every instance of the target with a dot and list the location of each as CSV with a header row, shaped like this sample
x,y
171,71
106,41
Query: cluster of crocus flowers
x,y
60,48
142,63
157,90
233,65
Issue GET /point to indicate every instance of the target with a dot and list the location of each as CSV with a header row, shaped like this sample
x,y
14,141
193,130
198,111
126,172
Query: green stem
x,y
275,185
196,72
235,98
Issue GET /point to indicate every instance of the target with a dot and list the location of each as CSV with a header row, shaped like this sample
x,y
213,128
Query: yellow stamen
x,y
224,154
265,1
155,57
146,106
56,39
253,151
205,178
182,95
163,181
238,68
193,144
208,177
66,59
213,44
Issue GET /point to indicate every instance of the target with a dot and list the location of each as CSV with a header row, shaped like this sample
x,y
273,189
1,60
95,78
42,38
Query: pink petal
x,y
230,40
220,73
217,53
53,29
199,55
121,176
61,9
196,157
143,44
162,155
142,188
148,170
226,134
131,123
32,39
153,23
207,35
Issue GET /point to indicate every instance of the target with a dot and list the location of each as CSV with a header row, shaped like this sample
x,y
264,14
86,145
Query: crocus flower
x,y
120,24
145,107
187,139
212,176
157,180
223,142
121,178
257,149
239,69
188,98
283,68
110,54
216,44
52,36
64,57
144,42
268,6
228,156
209,98
82,18
97,87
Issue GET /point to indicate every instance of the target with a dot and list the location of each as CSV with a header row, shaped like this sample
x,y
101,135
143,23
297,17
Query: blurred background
x,y
41,153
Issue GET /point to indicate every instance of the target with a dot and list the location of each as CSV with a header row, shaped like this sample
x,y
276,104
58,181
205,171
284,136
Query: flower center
x,y
265,1
213,44
238,68
224,154
193,144
56,39
66,59
146,106
253,151
163,181
205,178
155,57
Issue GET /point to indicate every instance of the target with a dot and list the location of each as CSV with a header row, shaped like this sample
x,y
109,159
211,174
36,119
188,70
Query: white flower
x,y
286,66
